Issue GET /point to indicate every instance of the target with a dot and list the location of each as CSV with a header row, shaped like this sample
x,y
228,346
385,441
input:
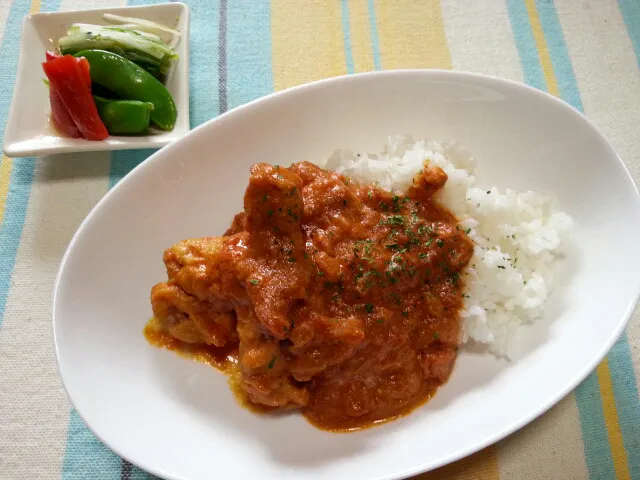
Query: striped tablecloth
x,y
585,51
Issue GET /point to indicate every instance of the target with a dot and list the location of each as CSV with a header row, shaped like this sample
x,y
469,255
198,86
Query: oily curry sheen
x,y
340,299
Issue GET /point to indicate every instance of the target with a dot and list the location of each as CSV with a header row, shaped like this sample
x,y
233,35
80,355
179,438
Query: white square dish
x,y
29,130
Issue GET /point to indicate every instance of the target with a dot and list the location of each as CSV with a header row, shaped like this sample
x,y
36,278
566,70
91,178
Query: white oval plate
x,y
178,419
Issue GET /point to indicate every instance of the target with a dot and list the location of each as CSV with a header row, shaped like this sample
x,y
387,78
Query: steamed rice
x,y
517,235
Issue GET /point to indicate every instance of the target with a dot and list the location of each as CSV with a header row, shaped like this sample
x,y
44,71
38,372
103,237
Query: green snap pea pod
x,y
124,117
131,82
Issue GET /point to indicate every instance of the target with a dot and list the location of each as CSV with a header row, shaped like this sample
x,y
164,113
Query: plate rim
x,y
447,75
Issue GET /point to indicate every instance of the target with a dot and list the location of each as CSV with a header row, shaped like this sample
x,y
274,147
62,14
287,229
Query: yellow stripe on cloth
x,y
411,34
616,442
5,179
541,46
360,29
307,42
479,466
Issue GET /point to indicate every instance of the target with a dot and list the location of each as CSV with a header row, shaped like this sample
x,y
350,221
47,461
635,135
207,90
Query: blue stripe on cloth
x,y
597,452
15,211
22,168
373,27
123,161
630,10
86,458
346,33
204,95
249,71
567,85
525,44
625,391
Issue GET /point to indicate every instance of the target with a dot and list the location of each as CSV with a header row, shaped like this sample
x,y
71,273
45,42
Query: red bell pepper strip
x,y
84,69
83,62
66,78
60,116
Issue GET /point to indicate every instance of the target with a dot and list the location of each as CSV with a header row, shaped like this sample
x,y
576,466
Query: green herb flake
x,y
368,307
272,363
291,214
440,243
254,281
436,336
395,220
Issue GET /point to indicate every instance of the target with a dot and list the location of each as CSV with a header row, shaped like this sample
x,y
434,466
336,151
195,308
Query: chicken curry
x,y
337,298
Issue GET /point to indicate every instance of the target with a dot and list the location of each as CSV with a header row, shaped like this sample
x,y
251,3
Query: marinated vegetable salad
x,y
109,79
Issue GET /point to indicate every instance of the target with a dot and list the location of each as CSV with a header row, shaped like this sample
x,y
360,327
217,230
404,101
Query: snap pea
x,y
131,82
124,117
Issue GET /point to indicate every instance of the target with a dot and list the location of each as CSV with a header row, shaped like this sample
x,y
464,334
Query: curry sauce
x,y
337,298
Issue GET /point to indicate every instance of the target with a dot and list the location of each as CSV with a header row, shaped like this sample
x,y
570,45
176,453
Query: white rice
x,y
517,235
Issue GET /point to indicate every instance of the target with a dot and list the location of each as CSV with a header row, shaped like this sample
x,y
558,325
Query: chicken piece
x,y
190,320
320,342
237,225
205,268
430,179
264,373
276,268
